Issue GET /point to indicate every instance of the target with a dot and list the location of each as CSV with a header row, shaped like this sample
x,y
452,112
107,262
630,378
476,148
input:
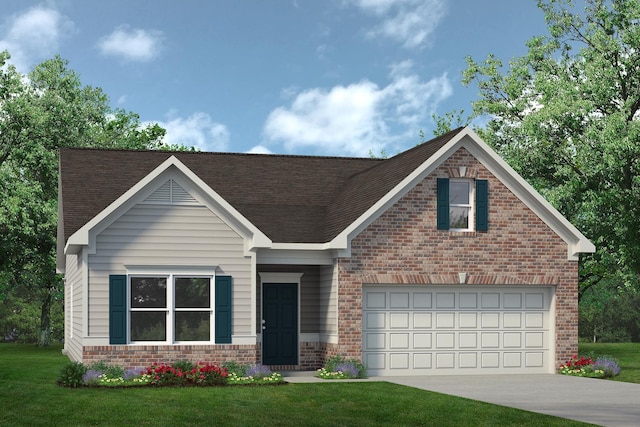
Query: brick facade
x,y
133,356
403,246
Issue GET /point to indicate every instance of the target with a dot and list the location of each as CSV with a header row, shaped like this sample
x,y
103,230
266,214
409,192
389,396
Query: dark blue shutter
x,y
117,309
482,205
443,203
223,310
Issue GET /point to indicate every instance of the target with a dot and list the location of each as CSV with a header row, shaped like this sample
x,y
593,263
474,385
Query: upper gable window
x,y
463,204
460,207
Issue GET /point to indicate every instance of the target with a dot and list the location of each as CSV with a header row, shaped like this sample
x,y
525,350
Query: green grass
x,y
627,355
30,397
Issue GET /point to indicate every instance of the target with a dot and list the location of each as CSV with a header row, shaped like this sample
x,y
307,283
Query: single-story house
x,y
439,260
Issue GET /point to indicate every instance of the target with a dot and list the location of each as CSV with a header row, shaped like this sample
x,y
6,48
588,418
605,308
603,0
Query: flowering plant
x,y
256,374
602,367
337,368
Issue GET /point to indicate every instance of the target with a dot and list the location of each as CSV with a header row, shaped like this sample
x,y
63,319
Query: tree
x,y
39,114
566,117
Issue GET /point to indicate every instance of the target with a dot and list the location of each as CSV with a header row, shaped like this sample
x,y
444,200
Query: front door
x,y
280,324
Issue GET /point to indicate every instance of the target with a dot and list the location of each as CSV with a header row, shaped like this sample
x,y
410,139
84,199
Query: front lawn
x,y
30,397
627,355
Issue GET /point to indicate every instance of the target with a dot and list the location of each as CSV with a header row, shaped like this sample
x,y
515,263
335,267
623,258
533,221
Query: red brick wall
x,y
134,356
403,246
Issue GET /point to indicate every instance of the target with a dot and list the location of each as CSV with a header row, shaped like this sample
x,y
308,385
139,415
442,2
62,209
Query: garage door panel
x,y
467,340
375,300
398,341
534,320
490,330
422,361
375,341
534,300
445,320
399,361
468,360
399,300
468,320
422,300
445,300
375,320
512,320
421,320
468,300
399,320
421,341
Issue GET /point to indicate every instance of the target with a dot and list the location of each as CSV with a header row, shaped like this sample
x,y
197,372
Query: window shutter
x,y
482,205
443,203
117,309
223,310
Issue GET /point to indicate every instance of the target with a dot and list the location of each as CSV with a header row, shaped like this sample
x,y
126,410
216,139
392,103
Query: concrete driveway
x,y
602,402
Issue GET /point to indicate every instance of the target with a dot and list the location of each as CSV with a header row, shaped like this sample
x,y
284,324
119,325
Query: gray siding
x,y
328,300
165,236
73,320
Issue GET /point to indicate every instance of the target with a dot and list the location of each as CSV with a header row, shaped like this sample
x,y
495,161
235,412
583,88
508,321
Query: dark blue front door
x,y
280,326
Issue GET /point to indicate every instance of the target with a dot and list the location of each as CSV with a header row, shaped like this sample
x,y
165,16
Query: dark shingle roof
x,y
291,199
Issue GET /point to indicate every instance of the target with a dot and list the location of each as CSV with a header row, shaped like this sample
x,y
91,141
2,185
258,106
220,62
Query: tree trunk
x,y
44,335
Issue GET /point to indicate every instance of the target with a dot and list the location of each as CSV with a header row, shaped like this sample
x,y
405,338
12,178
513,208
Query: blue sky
x,y
319,77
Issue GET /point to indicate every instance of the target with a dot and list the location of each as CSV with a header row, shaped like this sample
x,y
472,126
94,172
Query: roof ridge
x,y
220,153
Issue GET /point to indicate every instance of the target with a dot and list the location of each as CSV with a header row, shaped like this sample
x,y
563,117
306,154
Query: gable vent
x,y
171,193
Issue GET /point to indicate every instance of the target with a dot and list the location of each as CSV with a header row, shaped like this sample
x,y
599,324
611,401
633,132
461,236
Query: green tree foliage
x,y
40,113
566,117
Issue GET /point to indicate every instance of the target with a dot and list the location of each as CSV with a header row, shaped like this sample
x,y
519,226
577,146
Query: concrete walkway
x,y
601,402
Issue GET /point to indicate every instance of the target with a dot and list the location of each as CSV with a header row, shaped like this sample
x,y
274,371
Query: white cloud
x,y
353,119
132,44
197,130
35,35
409,22
259,149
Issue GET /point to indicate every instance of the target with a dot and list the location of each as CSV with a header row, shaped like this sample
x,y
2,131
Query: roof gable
x,y
286,200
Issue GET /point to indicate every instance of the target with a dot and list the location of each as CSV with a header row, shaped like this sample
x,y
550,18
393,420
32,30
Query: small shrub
x,y
608,366
206,374
590,366
258,371
71,374
183,365
91,377
237,369
337,367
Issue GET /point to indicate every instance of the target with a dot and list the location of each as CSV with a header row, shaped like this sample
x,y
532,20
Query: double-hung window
x,y
170,308
173,307
463,204
460,206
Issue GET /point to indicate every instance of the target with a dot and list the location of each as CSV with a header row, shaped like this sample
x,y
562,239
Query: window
x,y
460,208
170,308
463,204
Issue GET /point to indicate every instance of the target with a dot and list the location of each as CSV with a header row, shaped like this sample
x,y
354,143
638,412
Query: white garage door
x,y
452,330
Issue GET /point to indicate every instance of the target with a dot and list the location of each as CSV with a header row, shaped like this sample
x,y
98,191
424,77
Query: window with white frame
x,y
170,308
460,204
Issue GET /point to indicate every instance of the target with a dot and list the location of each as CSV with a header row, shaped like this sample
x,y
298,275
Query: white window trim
x,y
470,205
171,273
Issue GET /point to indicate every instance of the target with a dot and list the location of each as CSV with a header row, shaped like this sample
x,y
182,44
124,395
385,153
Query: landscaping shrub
x,y
337,367
590,366
71,374
181,373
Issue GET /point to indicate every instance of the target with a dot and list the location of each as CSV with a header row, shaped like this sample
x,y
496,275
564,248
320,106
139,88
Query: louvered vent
x,y
170,193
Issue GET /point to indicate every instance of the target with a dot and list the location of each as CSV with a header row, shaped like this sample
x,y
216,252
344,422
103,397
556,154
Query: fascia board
x,y
343,240
81,236
576,241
